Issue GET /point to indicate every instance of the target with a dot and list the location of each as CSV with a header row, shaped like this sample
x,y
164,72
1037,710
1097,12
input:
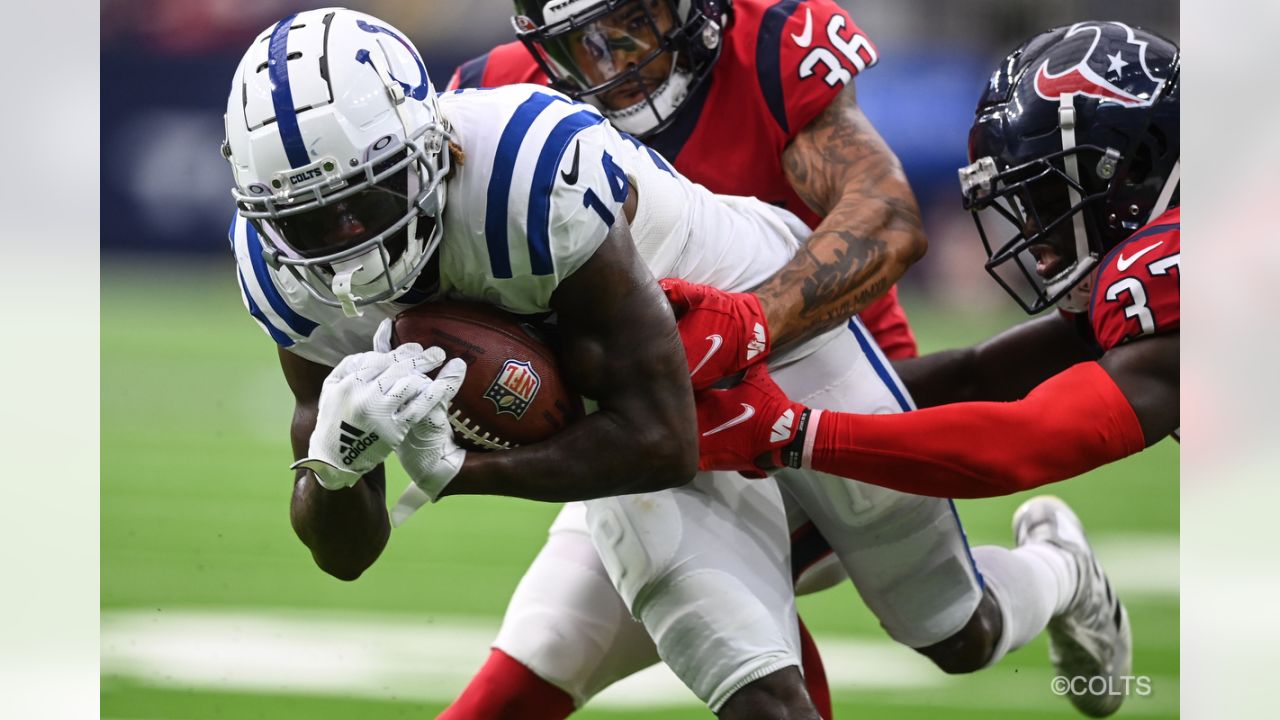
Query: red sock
x,y
506,690
815,676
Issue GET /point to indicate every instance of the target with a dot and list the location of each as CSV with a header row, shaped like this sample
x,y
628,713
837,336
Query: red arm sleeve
x,y
1072,423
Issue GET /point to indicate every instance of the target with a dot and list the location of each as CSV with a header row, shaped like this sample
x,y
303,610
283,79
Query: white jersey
x,y
542,181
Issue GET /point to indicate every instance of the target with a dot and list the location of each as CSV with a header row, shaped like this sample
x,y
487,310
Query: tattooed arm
x,y
870,235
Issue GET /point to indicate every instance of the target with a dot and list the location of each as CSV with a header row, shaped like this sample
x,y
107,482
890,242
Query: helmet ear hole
x,y
1149,153
1158,138
1141,164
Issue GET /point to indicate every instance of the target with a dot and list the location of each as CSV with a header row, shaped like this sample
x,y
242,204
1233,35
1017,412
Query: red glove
x,y
750,427
722,332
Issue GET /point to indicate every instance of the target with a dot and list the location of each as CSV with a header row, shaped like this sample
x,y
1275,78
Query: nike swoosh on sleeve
x,y
571,177
805,38
1123,263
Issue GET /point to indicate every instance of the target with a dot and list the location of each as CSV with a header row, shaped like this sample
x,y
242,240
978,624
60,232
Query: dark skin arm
x,y
870,235
1146,371
345,530
1003,368
620,348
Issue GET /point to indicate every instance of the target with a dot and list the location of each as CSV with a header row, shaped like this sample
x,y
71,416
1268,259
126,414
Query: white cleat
x,y
1091,639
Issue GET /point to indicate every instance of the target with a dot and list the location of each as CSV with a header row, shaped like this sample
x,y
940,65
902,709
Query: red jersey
x,y
781,64
1136,291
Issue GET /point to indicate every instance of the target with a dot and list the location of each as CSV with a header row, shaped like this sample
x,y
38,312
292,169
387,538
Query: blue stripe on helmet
x,y
499,193
281,338
887,376
282,95
297,323
544,178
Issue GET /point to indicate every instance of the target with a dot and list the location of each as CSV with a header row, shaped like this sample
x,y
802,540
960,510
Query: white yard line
x,y
386,657
416,659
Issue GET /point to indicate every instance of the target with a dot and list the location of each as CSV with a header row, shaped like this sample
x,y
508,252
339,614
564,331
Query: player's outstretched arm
x,y
619,348
1082,418
1091,414
1003,368
841,168
345,530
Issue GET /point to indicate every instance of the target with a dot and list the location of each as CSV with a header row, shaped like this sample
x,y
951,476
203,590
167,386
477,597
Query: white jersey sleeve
x,y
587,197
261,292
542,182
288,314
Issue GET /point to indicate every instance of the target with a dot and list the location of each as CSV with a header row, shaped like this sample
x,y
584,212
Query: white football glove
x,y
367,406
382,336
429,454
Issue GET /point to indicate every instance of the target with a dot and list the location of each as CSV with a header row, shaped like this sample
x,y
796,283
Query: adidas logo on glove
x,y
353,441
756,344
781,429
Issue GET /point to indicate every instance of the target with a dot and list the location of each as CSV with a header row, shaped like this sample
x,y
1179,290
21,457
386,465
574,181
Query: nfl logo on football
x,y
514,388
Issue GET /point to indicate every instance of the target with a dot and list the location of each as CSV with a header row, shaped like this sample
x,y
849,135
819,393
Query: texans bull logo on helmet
x,y
1082,65
514,388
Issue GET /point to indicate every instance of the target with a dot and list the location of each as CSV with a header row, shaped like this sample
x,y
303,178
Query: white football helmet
x,y
339,154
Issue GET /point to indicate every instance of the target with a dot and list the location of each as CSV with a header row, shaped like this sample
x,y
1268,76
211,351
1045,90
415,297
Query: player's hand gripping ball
x,y
513,394
368,404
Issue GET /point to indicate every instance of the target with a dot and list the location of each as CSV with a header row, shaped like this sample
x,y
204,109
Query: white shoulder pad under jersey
x,y
541,182
288,313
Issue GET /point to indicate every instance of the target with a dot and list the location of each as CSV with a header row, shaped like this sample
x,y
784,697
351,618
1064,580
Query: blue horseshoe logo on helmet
x,y
418,92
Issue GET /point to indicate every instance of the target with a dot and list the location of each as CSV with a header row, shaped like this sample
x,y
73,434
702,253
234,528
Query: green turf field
x,y
212,609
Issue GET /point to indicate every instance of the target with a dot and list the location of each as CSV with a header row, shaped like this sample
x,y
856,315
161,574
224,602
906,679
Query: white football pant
x,y
706,568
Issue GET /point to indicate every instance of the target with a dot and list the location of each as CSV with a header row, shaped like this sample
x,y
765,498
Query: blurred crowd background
x,y
166,68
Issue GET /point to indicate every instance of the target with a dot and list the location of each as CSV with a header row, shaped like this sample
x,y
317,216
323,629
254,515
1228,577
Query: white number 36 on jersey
x,y
856,48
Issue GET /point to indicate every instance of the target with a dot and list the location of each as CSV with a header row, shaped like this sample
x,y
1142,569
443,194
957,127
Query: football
x,y
513,394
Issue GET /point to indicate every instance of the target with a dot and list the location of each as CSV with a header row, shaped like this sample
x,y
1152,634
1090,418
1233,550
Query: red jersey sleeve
x,y
806,52
1137,290
507,64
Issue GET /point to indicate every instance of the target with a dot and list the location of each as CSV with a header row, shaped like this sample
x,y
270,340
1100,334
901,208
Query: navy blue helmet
x,y
1075,144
